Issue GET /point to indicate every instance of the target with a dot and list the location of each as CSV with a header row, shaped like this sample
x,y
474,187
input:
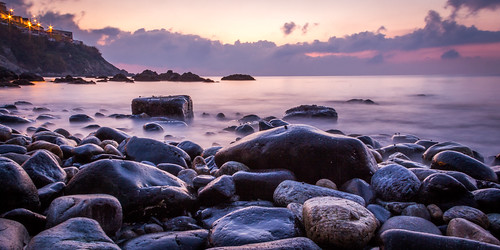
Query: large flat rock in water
x,y
311,154
178,107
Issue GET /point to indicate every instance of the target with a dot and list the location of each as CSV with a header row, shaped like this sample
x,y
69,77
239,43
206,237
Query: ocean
x,y
440,108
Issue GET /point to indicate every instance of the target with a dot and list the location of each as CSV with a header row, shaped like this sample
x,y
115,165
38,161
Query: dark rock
x,y
12,149
469,182
220,190
178,107
249,119
33,222
398,138
194,239
360,187
494,224
284,244
202,180
22,82
49,192
361,101
142,190
294,147
220,116
80,118
423,173
413,151
31,77
85,152
456,161
297,210
311,112
435,212
415,224
292,191
278,122
19,140
338,223
328,184
444,191
187,175
209,215
145,149
51,147
188,77
72,80
417,210
238,77
260,185
426,143
181,223
90,140
18,158
43,168
380,213
395,183
120,78
171,168
244,130
13,235
147,76
152,127
466,229
106,133
12,119
443,146
41,109
20,103
7,75
266,224
5,133
263,125
8,85
369,141
75,233
409,240
191,148
488,199
230,168
103,208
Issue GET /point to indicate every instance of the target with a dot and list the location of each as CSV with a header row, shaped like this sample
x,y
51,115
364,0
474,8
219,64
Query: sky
x,y
284,37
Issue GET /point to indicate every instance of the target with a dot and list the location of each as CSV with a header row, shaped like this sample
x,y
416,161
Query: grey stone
x,y
194,239
469,213
43,168
463,228
13,235
18,190
456,161
178,107
284,244
395,183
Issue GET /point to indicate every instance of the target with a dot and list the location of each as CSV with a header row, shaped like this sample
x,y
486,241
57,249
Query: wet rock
x,y
80,118
404,239
13,235
369,141
13,119
145,149
18,158
230,168
202,180
266,224
194,239
49,192
85,152
338,223
494,219
12,149
53,137
426,143
142,190
469,213
413,151
103,208
5,132
171,168
120,78
423,173
290,243
380,213
443,146
200,166
107,133
75,233
488,199
444,191
399,138
220,190
177,107
360,187
209,215
308,152
53,148
456,161
395,183
249,119
43,168
238,77
244,130
110,149
292,191
90,140
469,182
311,112
181,223
32,221
435,212
191,148
264,125
259,185
417,210
415,224
187,175
463,228
152,127
327,183
19,140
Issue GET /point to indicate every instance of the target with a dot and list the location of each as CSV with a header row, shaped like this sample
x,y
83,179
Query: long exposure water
x,y
441,108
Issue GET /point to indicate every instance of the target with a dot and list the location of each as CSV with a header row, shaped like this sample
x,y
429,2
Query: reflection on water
x,y
462,109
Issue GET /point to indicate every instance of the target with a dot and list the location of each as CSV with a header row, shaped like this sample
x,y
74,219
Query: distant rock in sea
x,y
238,77
72,80
120,78
148,75
361,101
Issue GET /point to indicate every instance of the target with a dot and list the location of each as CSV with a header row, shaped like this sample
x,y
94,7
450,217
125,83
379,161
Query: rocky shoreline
x,y
292,186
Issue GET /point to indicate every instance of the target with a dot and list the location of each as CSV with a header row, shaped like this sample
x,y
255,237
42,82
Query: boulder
x,y
469,213
395,183
178,107
463,228
49,192
209,215
260,184
311,154
107,133
217,191
13,119
75,233
488,199
444,191
443,146
103,208
18,190
311,112
290,243
338,223
238,77
193,239
456,161
13,235
145,149
265,224
30,76
412,151
80,118
43,168
120,78
33,222
142,190
298,192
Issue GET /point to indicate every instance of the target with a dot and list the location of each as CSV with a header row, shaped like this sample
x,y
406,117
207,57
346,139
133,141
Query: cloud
x,y
473,6
288,28
450,54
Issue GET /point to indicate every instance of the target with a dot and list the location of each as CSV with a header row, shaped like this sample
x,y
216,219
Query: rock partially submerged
x,y
72,80
238,77
178,107
311,112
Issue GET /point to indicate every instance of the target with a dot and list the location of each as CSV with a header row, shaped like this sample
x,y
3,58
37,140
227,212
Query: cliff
x,y
22,51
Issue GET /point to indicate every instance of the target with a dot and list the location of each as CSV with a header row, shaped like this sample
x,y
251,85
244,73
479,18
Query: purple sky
x,y
278,37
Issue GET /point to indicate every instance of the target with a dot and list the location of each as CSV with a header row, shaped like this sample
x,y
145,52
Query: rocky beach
x,y
280,184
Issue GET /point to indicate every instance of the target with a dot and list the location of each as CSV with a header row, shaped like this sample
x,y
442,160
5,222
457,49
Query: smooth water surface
x,y
461,109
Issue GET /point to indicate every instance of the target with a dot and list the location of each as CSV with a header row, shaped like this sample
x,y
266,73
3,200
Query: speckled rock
x,y
194,239
469,213
145,149
452,160
395,183
217,191
43,168
463,228
209,215
260,184
13,235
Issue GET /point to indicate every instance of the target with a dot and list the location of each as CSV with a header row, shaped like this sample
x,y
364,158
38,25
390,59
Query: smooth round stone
x,y
103,208
13,235
435,212
409,223
62,132
12,149
398,138
360,187
494,219
327,183
296,209
91,140
220,190
260,184
19,140
46,117
368,140
417,210
444,191
55,149
5,132
290,243
338,223
211,151
152,228
463,228
18,158
80,118
408,163
264,125
456,161
200,166
152,127
469,213
181,223
423,173
33,222
380,213
293,191
111,149
75,233
142,190
194,239
202,180
244,130
469,182
230,168
13,119
104,143
265,224
85,152
145,149
395,183
209,215
187,175
443,146
43,168
49,192
488,199
107,133
413,151
170,167
191,148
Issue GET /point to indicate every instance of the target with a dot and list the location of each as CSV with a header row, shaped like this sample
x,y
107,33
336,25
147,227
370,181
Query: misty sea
x,y
439,108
